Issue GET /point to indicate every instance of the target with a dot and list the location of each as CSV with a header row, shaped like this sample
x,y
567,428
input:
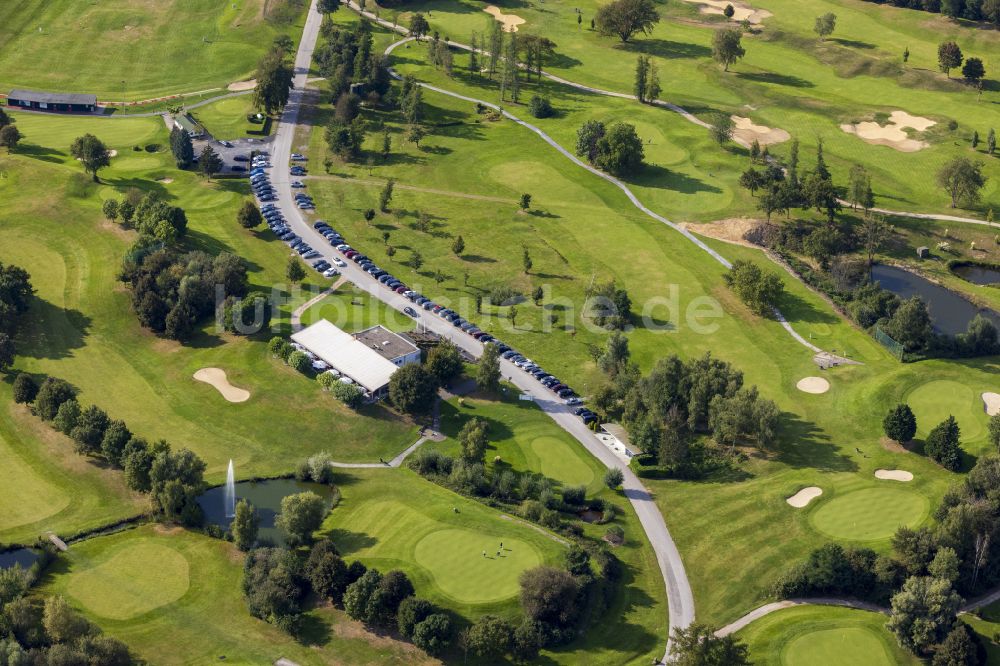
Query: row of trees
x,y
172,291
950,57
151,216
15,297
941,445
349,394
973,10
174,480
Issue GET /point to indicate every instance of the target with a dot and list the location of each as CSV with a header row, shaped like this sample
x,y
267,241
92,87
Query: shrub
x,y
53,393
299,361
540,107
25,388
433,634
615,534
574,495
613,477
320,469
349,394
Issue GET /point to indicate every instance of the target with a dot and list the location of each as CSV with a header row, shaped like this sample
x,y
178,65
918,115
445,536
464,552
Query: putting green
x,y
870,514
857,646
138,578
25,496
934,401
560,464
454,558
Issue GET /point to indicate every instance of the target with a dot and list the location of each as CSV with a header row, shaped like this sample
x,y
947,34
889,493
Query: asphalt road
x,y
680,598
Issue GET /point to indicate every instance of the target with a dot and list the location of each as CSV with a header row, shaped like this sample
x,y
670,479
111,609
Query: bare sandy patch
x,y
746,131
893,133
991,401
730,230
165,181
741,12
804,496
510,21
216,377
893,475
239,86
813,385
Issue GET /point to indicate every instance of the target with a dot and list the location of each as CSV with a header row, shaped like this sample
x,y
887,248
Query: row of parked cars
x,y
419,300
260,182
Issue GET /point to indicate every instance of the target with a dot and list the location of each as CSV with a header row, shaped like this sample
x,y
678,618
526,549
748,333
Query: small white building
x,y
355,359
393,346
615,437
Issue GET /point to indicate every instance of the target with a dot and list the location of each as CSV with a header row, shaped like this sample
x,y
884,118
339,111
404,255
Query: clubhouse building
x,y
367,358
47,101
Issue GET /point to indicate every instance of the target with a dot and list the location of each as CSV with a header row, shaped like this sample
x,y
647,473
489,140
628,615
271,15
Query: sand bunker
x,y
238,86
892,134
745,132
510,21
991,401
813,385
893,475
804,496
741,12
217,378
165,181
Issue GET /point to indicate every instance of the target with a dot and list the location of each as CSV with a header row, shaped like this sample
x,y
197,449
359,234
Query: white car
x,y
339,262
320,366
330,272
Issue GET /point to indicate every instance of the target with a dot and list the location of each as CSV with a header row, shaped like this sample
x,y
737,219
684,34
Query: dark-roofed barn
x,y
46,101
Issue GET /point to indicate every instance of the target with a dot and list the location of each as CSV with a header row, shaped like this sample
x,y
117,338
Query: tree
x,y
697,645
991,142
524,203
347,108
419,26
857,183
874,232
962,179
473,440
526,260
25,388
416,260
753,180
458,245
726,47
957,649
62,623
910,324
587,138
116,438
10,136
825,25
6,352
490,637
942,444
88,433
383,605
641,74
949,57
973,70
274,80
653,83
52,393
433,634
358,596
759,290
67,416
294,270
249,216
548,595
721,127
488,372
301,515
900,425
619,151
613,477
922,611
245,525
540,107
181,147
527,641
415,134
994,430
413,389
328,6
385,196
209,162
91,152
345,139
444,361
729,11
412,611
624,18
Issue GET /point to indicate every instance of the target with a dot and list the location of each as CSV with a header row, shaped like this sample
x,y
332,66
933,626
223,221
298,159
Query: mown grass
x,y
227,118
788,79
80,326
122,50
823,635
208,619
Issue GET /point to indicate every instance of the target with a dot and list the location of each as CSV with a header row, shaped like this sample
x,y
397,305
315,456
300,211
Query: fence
x,y
894,347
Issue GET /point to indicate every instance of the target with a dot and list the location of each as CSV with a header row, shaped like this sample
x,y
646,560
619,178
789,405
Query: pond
x,y
591,516
977,274
23,556
265,496
950,313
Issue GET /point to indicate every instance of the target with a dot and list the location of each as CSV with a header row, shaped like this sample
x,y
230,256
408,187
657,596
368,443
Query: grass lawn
x,y
986,623
381,522
871,514
809,635
934,401
174,596
227,118
80,327
154,48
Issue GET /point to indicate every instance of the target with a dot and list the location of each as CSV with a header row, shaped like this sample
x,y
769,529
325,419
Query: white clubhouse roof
x,y
349,356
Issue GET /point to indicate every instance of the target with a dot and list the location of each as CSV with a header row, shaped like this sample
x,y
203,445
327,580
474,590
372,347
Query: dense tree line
x,y
15,297
274,77
173,479
973,10
151,216
46,630
172,291
616,149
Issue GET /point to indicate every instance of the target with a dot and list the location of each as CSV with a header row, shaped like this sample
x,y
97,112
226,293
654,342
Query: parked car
x,y
339,262
410,311
240,158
